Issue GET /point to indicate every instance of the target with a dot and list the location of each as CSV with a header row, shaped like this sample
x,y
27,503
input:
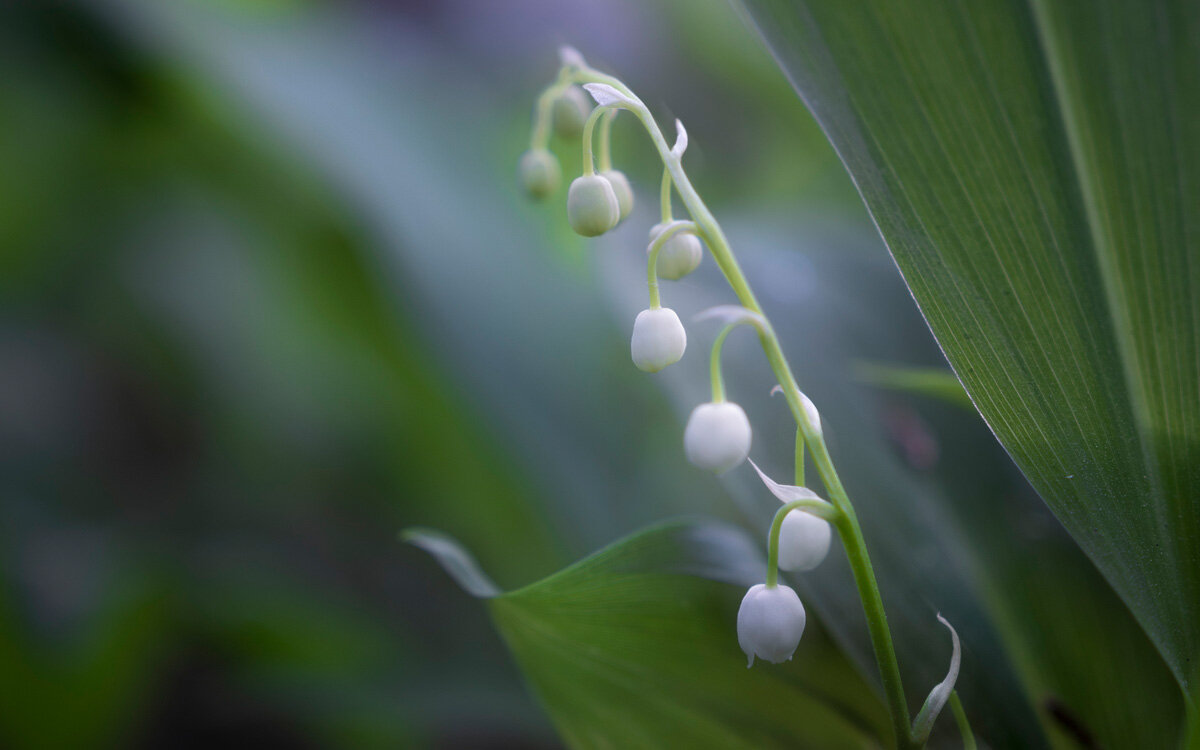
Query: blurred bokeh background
x,y
269,294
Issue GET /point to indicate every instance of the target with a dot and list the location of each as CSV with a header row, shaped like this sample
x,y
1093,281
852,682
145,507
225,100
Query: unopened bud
x,y
803,541
621,188
679,255
658,339
592,207
570,112
770,623
539,173
717,436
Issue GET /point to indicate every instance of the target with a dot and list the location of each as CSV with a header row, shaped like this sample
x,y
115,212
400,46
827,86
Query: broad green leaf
x,y
1035,171
635,646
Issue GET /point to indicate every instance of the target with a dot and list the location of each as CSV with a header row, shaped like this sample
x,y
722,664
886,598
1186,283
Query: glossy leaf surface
x,y
1035,171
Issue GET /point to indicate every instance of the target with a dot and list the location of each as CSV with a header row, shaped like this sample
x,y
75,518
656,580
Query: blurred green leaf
x,y
1035,170
99,680
635,646
926,381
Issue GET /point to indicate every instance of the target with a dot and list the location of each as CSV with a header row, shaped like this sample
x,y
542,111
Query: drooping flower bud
x,y
592,207
717,436
659,339
814,417
770,623
539,173
803,541
623,191
679,255
803,537
570,112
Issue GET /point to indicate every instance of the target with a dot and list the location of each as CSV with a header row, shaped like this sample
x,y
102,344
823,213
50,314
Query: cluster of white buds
x,y
718,436
599,201
538,170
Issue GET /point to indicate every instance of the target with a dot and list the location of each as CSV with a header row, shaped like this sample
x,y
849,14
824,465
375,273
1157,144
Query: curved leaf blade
x,y
454,559
635,646
1035,172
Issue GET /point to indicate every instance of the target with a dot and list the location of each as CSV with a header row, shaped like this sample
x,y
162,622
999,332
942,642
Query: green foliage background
x,y
268,295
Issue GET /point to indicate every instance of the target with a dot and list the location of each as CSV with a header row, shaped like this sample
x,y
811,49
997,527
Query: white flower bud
x,y
803,541
679,256
811,410
770,623
592,207
570,112
539,173
658,339
623,191
717,436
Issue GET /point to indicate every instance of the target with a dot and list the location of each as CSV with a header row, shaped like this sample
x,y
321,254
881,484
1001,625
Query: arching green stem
x,y
589,127
543,112
714,366
656,245
799,457
604,149
714,360
846,523
818,508
666,196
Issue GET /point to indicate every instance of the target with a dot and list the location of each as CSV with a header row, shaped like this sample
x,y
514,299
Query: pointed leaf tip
x,y
681,139
454,559
607,96
923,724
786,493
731,315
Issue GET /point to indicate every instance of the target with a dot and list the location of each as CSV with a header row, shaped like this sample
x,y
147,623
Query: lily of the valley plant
x,y
718,435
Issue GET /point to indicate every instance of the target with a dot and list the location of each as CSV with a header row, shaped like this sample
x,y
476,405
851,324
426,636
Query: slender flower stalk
x,y
604,146
611,94
656,245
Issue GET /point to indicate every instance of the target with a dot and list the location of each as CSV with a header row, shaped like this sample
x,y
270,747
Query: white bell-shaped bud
x,y
679,255
539,173
803,541
803,537
570,112
770,623
717,436
592,207
659,339
623,191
